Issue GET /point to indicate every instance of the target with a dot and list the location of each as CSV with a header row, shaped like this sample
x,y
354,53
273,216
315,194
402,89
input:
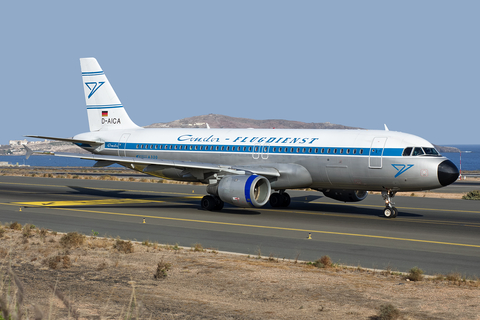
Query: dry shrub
x,y
98,243
323,262
72,239
388,312
27,231
415,274
53,262
454,276
124,246
67,263
162,268
198,247
472,195
16,226
2,232
43,233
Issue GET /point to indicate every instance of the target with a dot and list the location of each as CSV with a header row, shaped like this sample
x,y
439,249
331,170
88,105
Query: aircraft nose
x,y
447,173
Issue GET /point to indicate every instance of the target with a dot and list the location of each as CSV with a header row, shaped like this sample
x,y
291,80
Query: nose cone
x,y
447,173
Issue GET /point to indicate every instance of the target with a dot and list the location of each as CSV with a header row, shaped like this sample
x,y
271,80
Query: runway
x,y
437,235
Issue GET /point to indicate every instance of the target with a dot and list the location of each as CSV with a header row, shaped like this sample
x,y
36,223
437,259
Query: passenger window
x,y
407,151
334,150
361,151
328,150
354,151
417,151
322,151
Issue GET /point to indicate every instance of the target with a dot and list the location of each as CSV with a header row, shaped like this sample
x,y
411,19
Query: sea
x,y
467,160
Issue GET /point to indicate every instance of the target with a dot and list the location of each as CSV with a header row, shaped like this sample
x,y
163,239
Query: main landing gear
x,y
390,211
212,203
280,199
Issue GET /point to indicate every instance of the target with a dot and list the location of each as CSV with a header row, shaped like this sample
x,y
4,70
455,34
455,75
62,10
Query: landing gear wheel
x,y
390,212
395,212
219,205
276,200
286,199
208,203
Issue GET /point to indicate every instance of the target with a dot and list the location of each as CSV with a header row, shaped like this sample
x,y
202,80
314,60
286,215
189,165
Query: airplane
x,y
250,167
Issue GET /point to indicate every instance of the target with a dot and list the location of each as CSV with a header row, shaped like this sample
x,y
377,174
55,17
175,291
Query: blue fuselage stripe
x,y
271,150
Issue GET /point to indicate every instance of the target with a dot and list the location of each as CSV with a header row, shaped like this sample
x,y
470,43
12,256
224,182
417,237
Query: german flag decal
x,y
104,113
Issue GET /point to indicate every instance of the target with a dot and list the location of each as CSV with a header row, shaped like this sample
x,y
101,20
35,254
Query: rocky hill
x,y
221,121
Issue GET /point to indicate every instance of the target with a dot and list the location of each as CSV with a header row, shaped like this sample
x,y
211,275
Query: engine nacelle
x,y
242,191
346,195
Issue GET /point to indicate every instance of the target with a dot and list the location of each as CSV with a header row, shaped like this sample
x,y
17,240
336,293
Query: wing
x,y
149,166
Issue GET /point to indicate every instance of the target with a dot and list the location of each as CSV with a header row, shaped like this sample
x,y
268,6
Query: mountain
x,y
221,121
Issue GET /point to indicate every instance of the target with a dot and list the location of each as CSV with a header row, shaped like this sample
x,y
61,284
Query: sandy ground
x,y
100,281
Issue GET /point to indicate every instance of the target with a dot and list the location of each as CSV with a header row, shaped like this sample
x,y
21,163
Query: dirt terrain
x,y
106,278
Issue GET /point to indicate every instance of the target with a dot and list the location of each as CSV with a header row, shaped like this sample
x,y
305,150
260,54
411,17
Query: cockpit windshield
x,y
430,151
420,151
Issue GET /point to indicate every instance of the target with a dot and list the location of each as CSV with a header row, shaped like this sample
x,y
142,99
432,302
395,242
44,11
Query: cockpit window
x,y
407,151
430,151
417,151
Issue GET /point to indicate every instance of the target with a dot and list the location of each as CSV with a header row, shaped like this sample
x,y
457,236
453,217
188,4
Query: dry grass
x,y
97,281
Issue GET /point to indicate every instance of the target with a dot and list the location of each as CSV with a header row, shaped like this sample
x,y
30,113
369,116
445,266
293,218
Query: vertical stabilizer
x,y
105,111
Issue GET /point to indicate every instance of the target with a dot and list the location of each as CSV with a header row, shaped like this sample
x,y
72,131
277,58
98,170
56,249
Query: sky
x,y
413,65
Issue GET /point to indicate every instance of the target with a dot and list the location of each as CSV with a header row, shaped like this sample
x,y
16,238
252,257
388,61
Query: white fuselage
x,y
321,159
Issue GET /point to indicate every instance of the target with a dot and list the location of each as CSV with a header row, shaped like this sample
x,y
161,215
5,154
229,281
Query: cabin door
x,y
375,160
122,145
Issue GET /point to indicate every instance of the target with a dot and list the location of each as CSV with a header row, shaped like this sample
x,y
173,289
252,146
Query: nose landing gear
x,y
390,211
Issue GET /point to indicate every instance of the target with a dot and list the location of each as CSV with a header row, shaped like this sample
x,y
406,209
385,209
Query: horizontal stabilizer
x,y
76,141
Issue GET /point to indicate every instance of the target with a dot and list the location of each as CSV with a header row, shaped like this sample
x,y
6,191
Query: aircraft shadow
x,y
297,203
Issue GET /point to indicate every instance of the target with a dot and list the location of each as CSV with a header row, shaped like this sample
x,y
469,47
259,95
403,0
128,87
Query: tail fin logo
x,y
93,87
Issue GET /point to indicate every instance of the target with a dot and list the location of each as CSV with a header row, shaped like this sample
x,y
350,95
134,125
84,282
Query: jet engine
x,y
346,195
242,190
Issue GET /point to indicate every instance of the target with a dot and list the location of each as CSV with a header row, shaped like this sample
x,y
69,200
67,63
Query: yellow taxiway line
x,y
255,226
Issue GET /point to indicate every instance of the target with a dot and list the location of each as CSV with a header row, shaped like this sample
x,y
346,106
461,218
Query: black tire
x,y
219,205
276,200
395,212
286,199
208,203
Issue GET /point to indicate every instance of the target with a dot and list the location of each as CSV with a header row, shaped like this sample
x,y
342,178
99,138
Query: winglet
x,y
386,128
29,151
